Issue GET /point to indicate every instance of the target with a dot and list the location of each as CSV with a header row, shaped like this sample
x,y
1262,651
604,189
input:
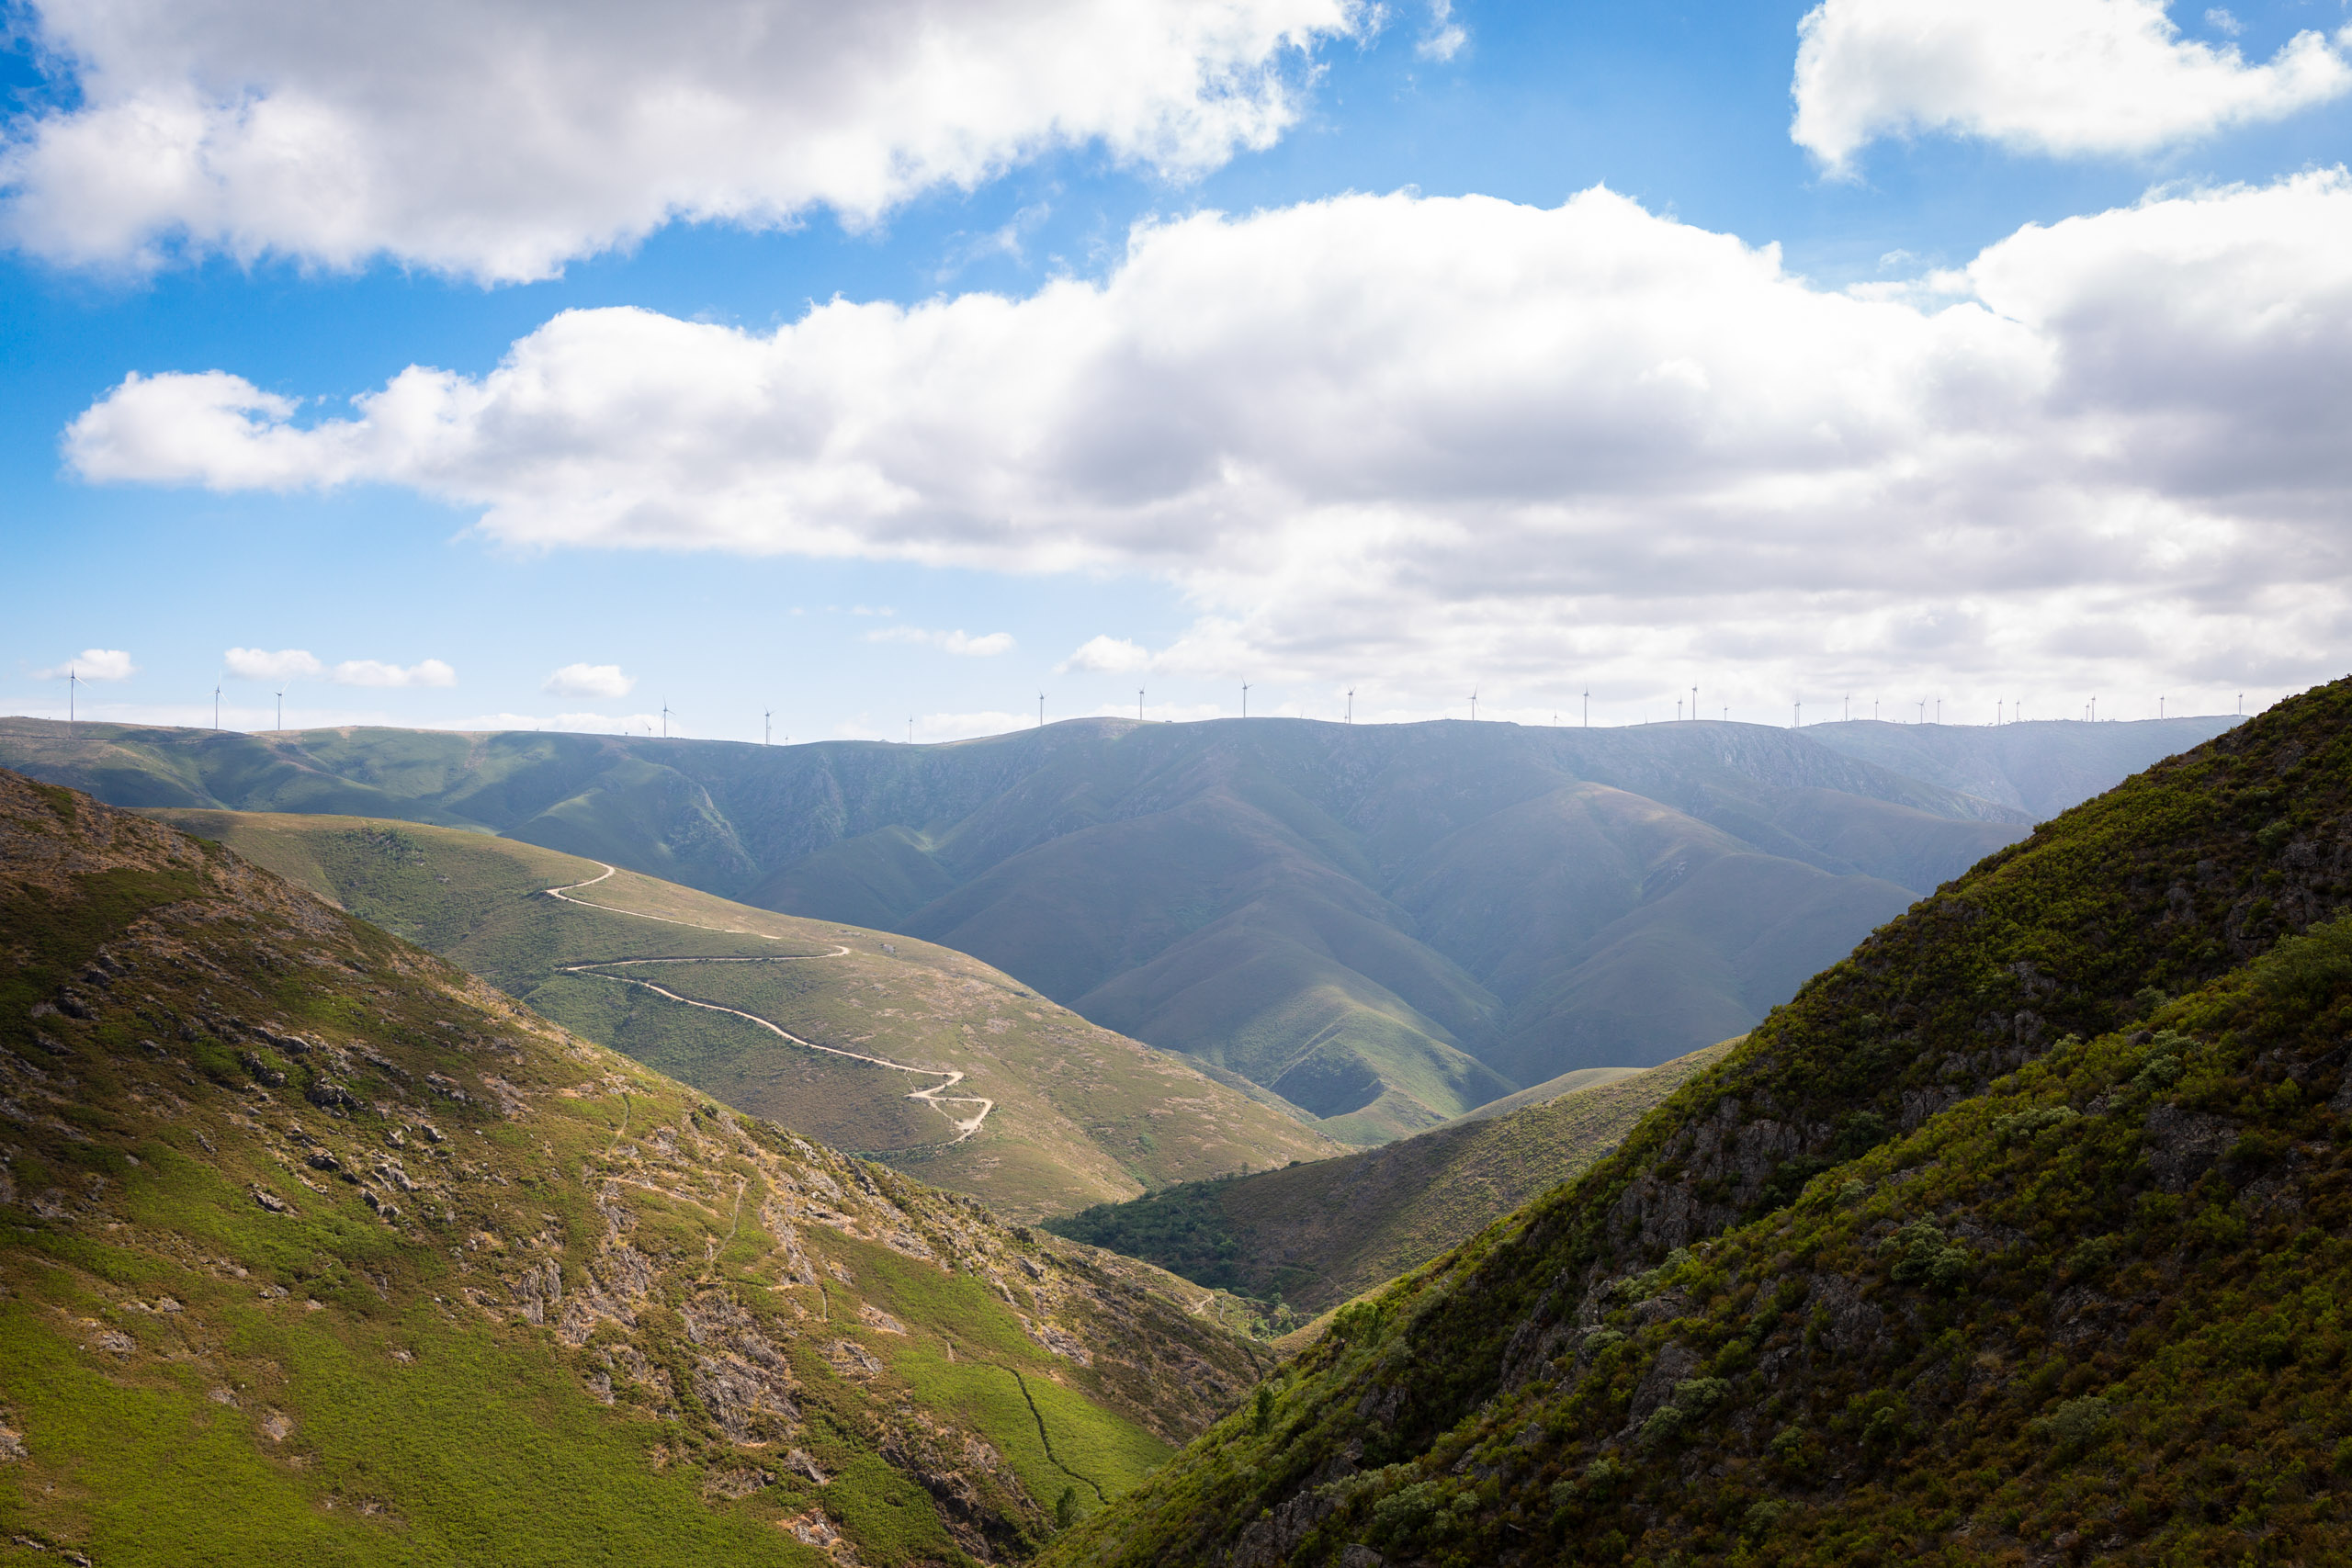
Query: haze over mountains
x,y
1386,925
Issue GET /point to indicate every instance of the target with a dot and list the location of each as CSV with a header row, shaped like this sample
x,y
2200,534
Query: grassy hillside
x,y
1389,925
320,1249
1311,1235
1079,1115
2017,1237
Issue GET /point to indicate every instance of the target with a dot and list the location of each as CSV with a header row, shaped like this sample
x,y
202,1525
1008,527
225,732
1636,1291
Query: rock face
x,y
730,1339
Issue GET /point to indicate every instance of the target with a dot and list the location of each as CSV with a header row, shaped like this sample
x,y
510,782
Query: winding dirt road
x,y
936,1096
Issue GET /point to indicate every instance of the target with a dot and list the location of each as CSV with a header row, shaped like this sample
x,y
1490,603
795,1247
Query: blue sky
x,y
2078,518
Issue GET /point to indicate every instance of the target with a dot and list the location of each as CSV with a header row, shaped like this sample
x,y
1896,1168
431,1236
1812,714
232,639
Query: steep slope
x,y
1389,924
319,1249
1309,1236
1075,1114
1867,1287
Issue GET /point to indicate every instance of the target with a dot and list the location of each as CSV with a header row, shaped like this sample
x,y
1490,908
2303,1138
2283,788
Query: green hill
x,y
2020,1235
318,1249
1386,924
1311,1235
1076,1115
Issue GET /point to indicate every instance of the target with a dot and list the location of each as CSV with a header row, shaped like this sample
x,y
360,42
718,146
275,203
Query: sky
x,y
910,369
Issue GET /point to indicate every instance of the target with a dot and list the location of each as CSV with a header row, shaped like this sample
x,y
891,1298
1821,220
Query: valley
x,y
2019,1235
906,1052
1388,926
320,1249
1310,1236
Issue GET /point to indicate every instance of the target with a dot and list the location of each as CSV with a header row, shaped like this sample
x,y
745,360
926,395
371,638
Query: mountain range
x,y
2021,1234
1386,925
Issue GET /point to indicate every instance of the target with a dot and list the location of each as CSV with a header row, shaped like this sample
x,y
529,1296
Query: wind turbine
x,y
767,731
1138,704
911,729
1041,710
216,707
281,708
1245,699
1694,704
2160,709
1940,710
1352,705
73,680
1473,705
665,719
1799,724
1587,710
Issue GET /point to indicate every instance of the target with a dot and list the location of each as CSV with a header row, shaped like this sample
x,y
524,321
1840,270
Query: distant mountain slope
x,y
1387,924
2017,1236
2041,766
1314,1234
1079,1115
316,1249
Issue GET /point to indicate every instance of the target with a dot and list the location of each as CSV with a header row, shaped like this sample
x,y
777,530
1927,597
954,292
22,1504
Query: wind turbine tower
x,y
665,719
281,707
1041,710
1352,705
1245,699
73,680
1587,710
1138,704
767,729
1473,705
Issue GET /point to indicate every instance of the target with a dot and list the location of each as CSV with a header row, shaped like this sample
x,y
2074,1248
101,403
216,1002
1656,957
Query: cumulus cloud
x,y
1446,440
376,672
335,134
92,664
589,681
296,663
955,642
2054,76
260,664
1105,656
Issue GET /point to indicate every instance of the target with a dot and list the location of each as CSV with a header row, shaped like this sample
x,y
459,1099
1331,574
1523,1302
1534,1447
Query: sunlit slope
x,y
1316,1234
2018,1236
316,1249
1388,924
1079,1115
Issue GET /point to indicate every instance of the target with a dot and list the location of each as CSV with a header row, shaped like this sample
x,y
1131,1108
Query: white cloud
x,y
335,134
375,672
258,664
955,642
296,663
2055,77
1442,441
92,664
589,681
1105,656
1444,37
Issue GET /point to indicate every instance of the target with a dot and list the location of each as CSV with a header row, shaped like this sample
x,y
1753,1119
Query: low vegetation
x,y
1080,1115
2019,1237
1309,1236
319,1249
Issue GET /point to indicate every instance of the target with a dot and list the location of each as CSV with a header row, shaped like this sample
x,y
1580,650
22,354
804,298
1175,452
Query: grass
x,y
1083,1115
1312,1235
1388,924
2017,1236
480,1230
